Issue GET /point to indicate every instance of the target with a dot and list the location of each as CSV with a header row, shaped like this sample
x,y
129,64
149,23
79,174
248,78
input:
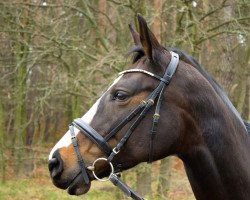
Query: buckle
x,y
115,150
156,116
74,141
151,101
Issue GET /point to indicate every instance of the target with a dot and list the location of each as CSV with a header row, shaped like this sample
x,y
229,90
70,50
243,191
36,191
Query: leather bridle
x,y
140,111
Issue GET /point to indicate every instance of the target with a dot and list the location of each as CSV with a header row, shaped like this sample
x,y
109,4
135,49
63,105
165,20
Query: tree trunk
x,y
2,147
243,106
143,176
164,178
19,117
21,47
227,59
46,129
20,111
102,6
246,111
156,26
94,24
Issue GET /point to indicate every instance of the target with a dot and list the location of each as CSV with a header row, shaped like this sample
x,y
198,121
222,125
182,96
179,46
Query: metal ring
x,y
111,169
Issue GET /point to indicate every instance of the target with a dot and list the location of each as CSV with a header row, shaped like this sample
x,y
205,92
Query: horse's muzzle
x,y
56,168
75,185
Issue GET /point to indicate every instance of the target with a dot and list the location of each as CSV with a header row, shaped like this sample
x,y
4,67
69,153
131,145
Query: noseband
x,y
139,113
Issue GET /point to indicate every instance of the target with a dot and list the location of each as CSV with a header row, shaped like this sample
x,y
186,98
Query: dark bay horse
x,y
166,104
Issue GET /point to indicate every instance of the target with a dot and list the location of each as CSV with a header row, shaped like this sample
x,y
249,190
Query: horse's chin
x,y
78,187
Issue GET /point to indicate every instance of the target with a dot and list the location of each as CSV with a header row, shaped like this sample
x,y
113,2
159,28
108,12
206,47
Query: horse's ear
x,y
147,38
135,35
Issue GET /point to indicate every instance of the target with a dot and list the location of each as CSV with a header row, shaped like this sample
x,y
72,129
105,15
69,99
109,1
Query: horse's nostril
x,y
55,165
52,163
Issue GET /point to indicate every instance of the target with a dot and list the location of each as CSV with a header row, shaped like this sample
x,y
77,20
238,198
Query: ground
x,y
40,187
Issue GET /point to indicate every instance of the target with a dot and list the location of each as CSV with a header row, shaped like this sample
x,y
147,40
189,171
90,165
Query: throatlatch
x,y
140,111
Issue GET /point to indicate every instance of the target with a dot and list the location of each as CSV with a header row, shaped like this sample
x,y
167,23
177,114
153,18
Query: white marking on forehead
x,y
91,112
65,141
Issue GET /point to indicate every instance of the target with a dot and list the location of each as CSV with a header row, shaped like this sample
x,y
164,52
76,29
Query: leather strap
x,y
92,135
78,155
124,187
126,120
171,68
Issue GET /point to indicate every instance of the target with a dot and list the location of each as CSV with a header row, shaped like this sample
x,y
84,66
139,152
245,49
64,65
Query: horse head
x,y
160,106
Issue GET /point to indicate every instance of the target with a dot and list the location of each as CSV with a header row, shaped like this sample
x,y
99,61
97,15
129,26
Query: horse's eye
x,y
120,96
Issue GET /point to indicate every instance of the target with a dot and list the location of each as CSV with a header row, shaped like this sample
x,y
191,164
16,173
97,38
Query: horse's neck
x,y
216,179
218,165
203,175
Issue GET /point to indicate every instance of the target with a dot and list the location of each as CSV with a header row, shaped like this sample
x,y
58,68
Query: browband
x,y
172,66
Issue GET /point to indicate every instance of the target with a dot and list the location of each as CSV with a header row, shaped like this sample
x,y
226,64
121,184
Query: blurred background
x,y
57,56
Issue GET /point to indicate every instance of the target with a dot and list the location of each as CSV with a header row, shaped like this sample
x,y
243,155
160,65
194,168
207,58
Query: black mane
x,y
137,52
189,59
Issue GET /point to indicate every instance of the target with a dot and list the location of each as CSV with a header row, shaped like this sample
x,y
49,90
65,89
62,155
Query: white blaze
x,y
65,141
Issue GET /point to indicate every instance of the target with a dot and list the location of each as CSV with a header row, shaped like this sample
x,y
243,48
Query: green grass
x,y
24,189
40,187
34,189
27,189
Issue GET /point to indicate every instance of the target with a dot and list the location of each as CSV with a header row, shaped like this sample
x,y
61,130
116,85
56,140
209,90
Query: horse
x,y
164,104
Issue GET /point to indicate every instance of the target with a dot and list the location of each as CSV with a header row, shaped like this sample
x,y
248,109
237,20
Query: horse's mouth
x,y
77,186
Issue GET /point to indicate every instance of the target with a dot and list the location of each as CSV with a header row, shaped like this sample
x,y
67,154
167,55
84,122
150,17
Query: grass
x,y
29,189
40,187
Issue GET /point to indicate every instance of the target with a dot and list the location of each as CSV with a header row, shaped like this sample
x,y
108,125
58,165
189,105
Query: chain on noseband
x,y
140,111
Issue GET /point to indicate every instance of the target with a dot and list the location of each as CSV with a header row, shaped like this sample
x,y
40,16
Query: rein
x,y
140,111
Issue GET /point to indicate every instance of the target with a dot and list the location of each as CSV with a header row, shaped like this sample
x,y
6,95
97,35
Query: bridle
x,y
139,113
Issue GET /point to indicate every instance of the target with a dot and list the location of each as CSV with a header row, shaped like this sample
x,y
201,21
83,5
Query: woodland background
x,y
57,56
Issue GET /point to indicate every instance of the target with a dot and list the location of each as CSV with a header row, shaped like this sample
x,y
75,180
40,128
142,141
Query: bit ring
x,y
111,169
